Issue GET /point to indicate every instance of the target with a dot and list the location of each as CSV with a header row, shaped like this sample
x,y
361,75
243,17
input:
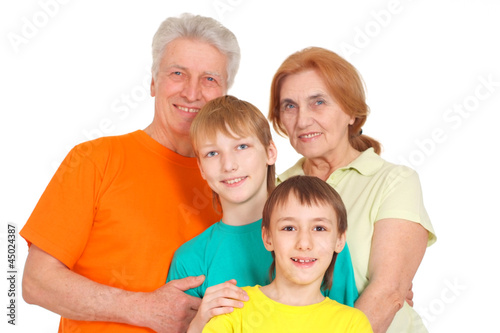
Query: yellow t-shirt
x,y
373,189
262,314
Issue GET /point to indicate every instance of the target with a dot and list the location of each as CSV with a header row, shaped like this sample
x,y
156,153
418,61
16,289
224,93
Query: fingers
x,y
187,282
227,290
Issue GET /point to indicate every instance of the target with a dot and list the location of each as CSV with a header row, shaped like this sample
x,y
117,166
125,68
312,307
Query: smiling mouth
x,y
233,181
303,260
190,110
309,135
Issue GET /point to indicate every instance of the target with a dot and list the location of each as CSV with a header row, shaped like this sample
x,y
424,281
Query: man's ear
x,y
339,246
266,239
272,153
201,169
152,87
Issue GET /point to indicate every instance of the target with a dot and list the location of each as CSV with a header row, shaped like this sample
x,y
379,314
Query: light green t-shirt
x,y
224,252
262,314
373,189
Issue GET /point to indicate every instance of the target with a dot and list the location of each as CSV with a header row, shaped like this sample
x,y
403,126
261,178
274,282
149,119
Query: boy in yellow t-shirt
x,y
303,225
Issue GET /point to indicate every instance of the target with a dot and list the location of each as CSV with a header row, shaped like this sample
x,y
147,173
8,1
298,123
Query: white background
x,y
69,68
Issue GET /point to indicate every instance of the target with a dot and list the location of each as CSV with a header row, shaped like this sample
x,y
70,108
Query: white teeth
x,y
303,261
188,109
312,135
232,181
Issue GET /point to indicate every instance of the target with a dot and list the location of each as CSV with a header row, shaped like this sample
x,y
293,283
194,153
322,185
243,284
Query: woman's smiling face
x,y
315,123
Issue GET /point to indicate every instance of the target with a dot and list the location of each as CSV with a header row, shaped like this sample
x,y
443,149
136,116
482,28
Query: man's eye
x,y
320,102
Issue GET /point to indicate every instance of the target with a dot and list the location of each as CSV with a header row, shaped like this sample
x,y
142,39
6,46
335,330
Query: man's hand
x,y
170,309
47,282
219,299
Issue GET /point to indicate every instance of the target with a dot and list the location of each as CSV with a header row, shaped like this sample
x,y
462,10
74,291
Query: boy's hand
x,y
219,299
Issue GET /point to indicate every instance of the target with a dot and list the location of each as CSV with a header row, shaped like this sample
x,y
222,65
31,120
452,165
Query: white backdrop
x,y
75,70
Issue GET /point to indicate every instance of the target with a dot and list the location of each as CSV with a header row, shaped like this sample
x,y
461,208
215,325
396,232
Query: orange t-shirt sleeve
x,y
62,219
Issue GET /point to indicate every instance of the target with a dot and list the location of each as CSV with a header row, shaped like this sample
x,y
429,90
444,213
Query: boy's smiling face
x,y
236,167
304,239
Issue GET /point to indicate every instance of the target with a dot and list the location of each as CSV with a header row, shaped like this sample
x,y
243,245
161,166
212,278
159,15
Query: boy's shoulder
x,y
351,317
199,242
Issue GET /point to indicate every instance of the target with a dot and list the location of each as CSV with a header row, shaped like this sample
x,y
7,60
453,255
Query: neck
x,y
179,145
286,292
238,214
322,167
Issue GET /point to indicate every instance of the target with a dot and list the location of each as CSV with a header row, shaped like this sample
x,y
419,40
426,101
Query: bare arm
x,y
398,247
48,283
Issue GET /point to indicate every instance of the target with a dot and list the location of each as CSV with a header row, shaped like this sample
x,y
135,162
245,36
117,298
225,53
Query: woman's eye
x,y
320,102
288,228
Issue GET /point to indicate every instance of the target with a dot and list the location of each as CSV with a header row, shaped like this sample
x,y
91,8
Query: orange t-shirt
x,y
115,212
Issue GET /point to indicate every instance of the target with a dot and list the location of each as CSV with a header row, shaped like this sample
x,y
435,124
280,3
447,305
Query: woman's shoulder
x,y
295,170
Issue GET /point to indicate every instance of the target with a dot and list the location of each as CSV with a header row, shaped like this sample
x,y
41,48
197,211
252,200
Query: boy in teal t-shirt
x,y
236,155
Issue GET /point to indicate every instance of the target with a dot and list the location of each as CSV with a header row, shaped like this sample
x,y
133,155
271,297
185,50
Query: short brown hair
x,y
309,190
228,113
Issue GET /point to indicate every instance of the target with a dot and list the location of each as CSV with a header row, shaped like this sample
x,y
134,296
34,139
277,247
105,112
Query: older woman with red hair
x,y
318,101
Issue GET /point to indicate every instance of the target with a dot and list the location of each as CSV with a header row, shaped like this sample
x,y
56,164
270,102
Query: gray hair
x,y
203,28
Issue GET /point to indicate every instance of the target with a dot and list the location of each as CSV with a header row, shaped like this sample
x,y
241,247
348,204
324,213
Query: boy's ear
x,y
201,169
340,243
272,153
266,239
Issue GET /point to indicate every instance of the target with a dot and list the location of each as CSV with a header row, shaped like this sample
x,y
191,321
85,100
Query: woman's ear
x,y
272,153
266,239
339,246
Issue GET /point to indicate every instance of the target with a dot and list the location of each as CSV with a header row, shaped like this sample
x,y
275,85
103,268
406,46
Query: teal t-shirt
x,y
224,252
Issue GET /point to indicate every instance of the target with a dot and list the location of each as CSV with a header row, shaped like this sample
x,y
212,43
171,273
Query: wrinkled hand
x,y
219,299
409,296
168,308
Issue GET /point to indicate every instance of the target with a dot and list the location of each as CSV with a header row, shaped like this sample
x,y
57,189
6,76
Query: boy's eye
x,y
211,154
319,228
243,146
289,228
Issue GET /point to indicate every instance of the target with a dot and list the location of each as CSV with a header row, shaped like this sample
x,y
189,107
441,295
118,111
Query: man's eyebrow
x,y
213,74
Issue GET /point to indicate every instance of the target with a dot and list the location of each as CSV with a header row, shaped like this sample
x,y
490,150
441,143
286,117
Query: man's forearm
x,y
50,284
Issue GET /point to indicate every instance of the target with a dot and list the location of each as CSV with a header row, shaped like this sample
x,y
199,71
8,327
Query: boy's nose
x,y
304,241
229,164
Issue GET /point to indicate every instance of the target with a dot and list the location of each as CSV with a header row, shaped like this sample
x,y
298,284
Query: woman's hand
x,y
219,299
